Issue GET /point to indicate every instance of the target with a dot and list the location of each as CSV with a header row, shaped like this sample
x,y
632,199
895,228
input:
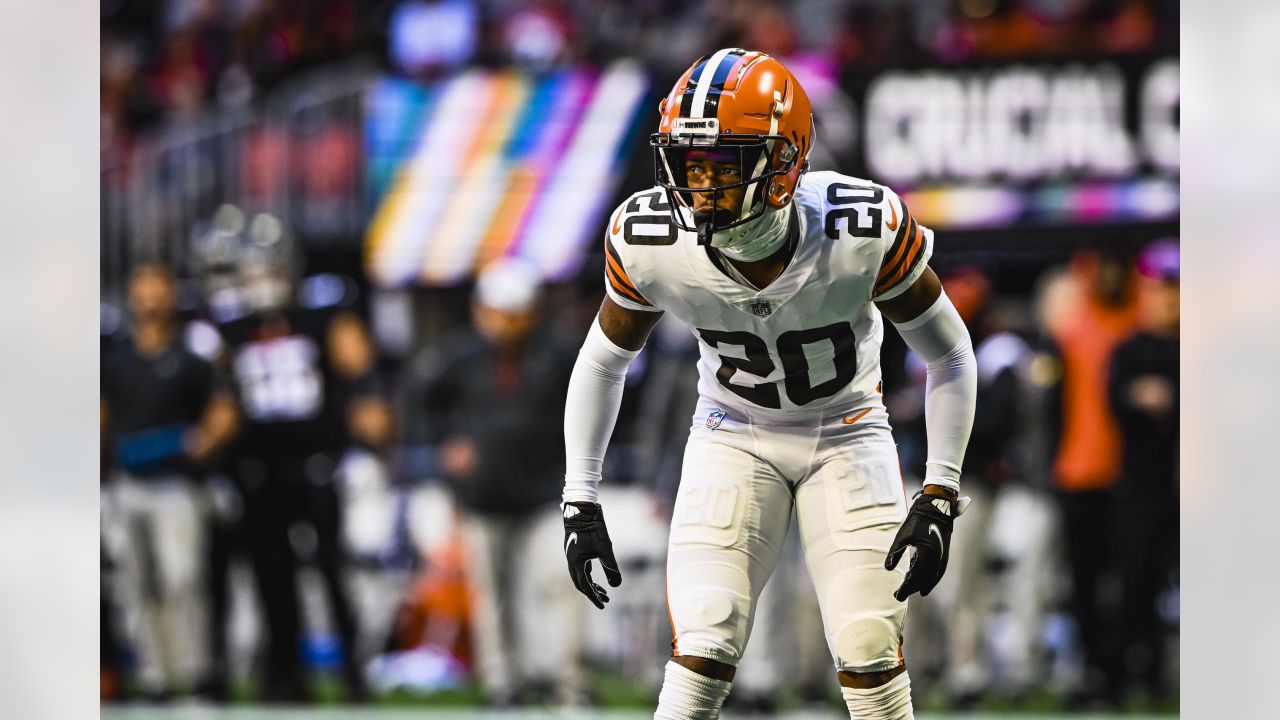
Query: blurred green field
x,y
618,698
207,713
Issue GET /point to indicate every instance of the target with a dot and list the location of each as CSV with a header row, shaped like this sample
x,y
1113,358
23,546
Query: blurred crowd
x,y
283,500
170,60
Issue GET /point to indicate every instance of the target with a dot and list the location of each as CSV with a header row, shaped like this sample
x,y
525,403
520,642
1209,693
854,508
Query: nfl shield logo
x,y
714,417
760,308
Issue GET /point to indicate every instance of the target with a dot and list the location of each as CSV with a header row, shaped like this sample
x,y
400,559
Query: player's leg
x,y
487,540
267,519
324,511
962,592
128,520
178,524
728,527
549,613
848,511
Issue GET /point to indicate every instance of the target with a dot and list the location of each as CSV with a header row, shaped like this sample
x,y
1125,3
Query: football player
x,y
304,377
785,277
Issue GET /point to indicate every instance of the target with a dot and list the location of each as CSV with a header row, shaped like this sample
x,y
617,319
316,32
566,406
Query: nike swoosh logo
x,y
573,538
933,529
851,420
616,218
893,224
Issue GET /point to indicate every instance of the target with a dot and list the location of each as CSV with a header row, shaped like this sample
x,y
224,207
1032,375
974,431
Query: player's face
x,y
1160,304
151,295
503,327
706,171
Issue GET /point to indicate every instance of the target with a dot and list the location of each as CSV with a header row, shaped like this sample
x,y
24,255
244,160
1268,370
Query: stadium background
x,y
406,144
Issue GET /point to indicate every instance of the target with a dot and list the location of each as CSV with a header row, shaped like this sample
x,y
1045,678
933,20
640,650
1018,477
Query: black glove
x,y
927,529
586,539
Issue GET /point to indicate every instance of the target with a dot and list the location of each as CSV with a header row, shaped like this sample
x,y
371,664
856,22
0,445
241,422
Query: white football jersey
x,y
807,344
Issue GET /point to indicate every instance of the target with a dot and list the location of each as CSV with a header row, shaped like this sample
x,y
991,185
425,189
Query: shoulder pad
x,y
644,219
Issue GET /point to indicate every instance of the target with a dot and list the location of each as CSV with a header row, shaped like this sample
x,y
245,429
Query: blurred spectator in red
x,y
484,401
1087,458
325,157
1010,28
163,418
762,25
1007,28
1144,397
1125,26
264,165
121,102
330,160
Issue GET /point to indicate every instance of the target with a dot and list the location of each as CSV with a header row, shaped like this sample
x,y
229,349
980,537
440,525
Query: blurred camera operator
x,y
163,418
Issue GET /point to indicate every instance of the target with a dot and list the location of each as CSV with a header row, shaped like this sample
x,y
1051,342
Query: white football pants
x,y
738,484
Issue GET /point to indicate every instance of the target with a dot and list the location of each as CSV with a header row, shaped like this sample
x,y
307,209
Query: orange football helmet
x,y
732,105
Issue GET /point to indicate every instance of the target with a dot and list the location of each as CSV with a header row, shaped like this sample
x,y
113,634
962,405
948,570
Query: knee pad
x,y
863,620
710,606
866,643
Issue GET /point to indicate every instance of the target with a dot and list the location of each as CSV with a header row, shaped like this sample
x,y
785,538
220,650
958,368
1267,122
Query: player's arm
x,y
595,393
591,409
218,425
368,415
932,328
219,419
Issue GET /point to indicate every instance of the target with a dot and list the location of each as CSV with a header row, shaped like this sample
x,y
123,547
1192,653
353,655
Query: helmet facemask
x,y
757,159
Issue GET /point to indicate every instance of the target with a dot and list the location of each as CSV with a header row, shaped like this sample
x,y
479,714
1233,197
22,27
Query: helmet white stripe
x,y
764,156
704,82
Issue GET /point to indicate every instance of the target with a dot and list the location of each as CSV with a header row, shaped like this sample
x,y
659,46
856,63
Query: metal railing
x,y
297,154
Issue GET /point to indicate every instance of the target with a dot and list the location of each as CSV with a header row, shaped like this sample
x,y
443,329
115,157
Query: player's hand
x,y
927,529
586,539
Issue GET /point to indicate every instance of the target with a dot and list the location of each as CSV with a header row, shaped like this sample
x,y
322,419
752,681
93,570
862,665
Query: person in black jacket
x,y
1143,391
164,417
491,399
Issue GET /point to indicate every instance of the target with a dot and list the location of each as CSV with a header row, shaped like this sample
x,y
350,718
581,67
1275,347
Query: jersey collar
x,y
762,304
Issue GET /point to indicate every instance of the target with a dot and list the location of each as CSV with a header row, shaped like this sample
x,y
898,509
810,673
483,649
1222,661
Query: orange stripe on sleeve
x,y
618,277
623,289
620,274
611,253
898,249
909,262
892,273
